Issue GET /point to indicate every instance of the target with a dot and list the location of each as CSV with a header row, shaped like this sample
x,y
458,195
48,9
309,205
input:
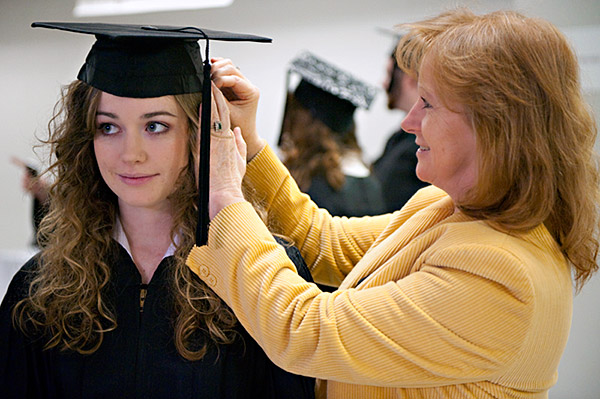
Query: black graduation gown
x,y
138,359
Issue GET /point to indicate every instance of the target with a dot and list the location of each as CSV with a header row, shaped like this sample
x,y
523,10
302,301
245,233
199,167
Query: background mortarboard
x,y
144,61
329,93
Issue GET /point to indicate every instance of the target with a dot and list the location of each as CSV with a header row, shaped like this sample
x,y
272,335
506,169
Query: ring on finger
x,y
217,126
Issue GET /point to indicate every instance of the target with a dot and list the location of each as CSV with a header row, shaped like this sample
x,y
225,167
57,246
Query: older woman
x,y
466,292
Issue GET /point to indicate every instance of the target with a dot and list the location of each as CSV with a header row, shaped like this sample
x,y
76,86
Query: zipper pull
x,y
143,293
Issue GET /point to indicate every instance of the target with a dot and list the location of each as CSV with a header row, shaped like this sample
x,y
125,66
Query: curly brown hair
x,y
310,148
65,300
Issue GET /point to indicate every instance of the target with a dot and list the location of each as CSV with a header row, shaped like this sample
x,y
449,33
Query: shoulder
x,y
464,232
19,284
428,199
17,290
429,196
470,243
512,259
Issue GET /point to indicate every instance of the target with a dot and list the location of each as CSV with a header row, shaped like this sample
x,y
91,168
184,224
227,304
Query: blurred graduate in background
x,y
396,166
319,142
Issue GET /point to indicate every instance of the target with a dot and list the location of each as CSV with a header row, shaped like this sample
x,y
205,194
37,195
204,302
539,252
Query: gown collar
x,y
121,238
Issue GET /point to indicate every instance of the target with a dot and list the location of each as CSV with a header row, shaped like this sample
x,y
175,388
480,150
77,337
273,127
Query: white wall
x,y
34,63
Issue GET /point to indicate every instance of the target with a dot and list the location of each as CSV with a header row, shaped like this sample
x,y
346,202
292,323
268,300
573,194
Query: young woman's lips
x,y
136,180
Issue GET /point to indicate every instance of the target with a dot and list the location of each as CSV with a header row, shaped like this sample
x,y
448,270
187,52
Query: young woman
x,y
108,307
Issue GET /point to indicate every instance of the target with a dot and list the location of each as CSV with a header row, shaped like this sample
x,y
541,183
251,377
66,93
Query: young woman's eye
x,y
107,128
425,103
157,127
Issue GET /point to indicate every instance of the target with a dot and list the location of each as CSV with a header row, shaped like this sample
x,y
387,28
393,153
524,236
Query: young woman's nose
x,y
133,148
412,121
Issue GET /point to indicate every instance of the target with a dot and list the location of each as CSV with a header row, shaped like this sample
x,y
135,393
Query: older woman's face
x,y
447,155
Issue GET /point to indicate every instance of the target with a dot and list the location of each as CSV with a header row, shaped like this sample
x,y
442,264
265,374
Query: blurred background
x,y
35,63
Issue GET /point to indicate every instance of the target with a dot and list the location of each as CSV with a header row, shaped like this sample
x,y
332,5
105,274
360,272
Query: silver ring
x,y
217,126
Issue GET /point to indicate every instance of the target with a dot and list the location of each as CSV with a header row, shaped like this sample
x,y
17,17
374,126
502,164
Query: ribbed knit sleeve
x,y
331,246
432,301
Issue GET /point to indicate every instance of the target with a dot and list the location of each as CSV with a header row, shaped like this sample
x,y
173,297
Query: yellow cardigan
x,y
433,304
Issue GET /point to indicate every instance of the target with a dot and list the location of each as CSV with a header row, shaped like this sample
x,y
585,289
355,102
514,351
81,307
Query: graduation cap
x,y
329,93
144,61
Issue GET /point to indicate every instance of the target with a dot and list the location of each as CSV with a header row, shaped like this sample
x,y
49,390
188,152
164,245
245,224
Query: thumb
x,y
239,141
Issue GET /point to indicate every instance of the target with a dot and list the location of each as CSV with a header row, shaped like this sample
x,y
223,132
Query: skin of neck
x,y
148,232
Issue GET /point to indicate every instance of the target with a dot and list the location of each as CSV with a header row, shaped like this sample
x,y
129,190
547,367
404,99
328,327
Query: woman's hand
x,y
227,157
242,97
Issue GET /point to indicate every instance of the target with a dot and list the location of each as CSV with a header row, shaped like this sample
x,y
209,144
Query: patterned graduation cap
x,y
331,94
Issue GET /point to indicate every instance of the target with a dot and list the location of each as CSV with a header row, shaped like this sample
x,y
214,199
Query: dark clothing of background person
x,y
396,170
359,196
138,359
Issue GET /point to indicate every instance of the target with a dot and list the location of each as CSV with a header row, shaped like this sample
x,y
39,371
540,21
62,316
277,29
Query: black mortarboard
x,y
144,61
330,94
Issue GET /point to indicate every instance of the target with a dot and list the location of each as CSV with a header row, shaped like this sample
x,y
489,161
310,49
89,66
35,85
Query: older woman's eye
x,y
425,103
157,127
107,128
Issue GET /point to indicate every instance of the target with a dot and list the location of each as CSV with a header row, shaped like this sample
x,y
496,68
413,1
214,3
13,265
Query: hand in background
x,y
31,182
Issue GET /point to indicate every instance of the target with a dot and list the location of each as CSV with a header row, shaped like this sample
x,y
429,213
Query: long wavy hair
x,y
66,300
310,148
518,79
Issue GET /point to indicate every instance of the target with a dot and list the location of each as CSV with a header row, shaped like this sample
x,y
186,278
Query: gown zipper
x,y
143,292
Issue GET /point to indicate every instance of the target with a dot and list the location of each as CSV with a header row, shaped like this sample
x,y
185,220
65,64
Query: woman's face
x,y
447,154
141,146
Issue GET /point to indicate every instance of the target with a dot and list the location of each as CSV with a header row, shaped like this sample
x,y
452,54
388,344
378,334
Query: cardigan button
x,y
203,270
211,280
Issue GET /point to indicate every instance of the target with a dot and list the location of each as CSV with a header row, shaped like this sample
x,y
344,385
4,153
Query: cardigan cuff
x,y
235,228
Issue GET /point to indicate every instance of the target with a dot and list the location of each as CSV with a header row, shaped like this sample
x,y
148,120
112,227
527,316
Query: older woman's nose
x,y
412,121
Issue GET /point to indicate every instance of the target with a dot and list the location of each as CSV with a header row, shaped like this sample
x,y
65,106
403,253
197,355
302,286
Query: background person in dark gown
x,y
395,168
318,138
108,308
